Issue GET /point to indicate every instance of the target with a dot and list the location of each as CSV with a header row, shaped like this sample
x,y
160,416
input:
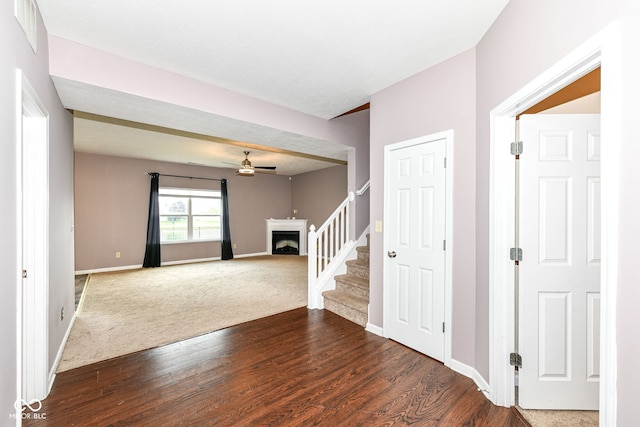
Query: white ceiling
x,y
321,58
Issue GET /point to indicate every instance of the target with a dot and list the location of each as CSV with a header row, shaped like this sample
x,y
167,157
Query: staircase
x,y
350,298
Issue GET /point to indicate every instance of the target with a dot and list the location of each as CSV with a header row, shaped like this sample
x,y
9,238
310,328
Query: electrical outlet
x,y
235,246
295,211
117,254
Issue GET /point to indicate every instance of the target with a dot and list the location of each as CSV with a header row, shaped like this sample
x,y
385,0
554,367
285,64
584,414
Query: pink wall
x,y
436,100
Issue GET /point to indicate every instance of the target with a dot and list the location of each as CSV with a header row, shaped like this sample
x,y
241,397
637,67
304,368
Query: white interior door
x,y
559,275
414,241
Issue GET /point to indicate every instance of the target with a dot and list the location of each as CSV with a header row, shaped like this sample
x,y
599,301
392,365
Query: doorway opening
x,y
33,229
600,50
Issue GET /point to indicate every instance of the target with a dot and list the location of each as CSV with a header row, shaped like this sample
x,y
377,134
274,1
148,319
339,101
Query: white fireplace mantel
x,y
288,225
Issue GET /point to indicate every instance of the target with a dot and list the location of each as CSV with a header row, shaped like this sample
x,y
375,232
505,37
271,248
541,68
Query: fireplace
x,y
285,242
292,230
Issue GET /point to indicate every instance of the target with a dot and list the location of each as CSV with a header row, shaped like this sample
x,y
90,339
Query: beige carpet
x,y
125,312
541,418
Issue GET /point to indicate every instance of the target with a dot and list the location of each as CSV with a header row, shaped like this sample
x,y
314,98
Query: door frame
x,y
448,136
33,301
602,49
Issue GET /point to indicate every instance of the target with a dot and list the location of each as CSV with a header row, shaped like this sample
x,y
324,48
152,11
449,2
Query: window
x,y
189,215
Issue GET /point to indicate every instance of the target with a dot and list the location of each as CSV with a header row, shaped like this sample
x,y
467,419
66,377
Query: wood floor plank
x,y
303,367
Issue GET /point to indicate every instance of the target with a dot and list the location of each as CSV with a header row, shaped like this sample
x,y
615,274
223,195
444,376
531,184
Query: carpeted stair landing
x,y
350,299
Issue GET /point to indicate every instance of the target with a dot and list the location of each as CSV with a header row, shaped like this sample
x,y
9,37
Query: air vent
x,y
26,14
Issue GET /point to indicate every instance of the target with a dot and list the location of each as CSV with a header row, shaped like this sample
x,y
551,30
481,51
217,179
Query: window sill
x,y
181,242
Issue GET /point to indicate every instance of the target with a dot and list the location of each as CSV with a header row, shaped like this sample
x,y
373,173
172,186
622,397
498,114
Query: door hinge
x,y
24,274
515,360
515,254
444,245
516,148
443,327
445,162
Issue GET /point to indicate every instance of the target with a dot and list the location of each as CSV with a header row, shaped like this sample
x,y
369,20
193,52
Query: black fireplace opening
x,y
285,242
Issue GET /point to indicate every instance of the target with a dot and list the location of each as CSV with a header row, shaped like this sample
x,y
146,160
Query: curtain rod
x,y
188,177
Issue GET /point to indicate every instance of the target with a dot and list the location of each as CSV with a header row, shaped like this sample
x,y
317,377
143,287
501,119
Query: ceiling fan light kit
x,y
247,170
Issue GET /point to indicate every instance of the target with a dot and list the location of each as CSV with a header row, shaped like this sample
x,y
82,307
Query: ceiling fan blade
x,y
265,167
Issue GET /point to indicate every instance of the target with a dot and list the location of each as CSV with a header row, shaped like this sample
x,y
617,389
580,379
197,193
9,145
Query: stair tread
x,y
354,280
357,303
358,262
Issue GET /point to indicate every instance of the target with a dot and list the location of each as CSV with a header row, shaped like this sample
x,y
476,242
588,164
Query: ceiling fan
x,y
246,169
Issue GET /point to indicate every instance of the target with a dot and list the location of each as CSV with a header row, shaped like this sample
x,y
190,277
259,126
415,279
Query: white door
x,y
559,275
414,241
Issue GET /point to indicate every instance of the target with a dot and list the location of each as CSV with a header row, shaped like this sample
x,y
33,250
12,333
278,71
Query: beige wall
x,y
112,197
317,194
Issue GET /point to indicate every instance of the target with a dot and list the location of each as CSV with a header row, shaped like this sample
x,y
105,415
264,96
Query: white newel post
x,y
312,268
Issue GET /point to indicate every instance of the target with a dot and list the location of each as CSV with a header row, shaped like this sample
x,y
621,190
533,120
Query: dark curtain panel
x,y
152,254
227,252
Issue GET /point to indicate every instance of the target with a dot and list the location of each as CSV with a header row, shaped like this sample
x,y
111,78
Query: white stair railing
x,y
327,248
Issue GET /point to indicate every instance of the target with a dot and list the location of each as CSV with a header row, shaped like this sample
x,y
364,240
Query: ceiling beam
x,y
355,110
194,135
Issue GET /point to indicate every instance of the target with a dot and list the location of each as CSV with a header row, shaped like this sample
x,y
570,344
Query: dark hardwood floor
x,y
303,367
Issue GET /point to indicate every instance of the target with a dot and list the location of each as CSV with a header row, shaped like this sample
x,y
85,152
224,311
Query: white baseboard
x,y
56,362
250,255
108,269
373,329
470,372
191,261
183,261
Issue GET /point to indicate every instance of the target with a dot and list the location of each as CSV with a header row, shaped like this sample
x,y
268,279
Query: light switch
x,y
378,226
